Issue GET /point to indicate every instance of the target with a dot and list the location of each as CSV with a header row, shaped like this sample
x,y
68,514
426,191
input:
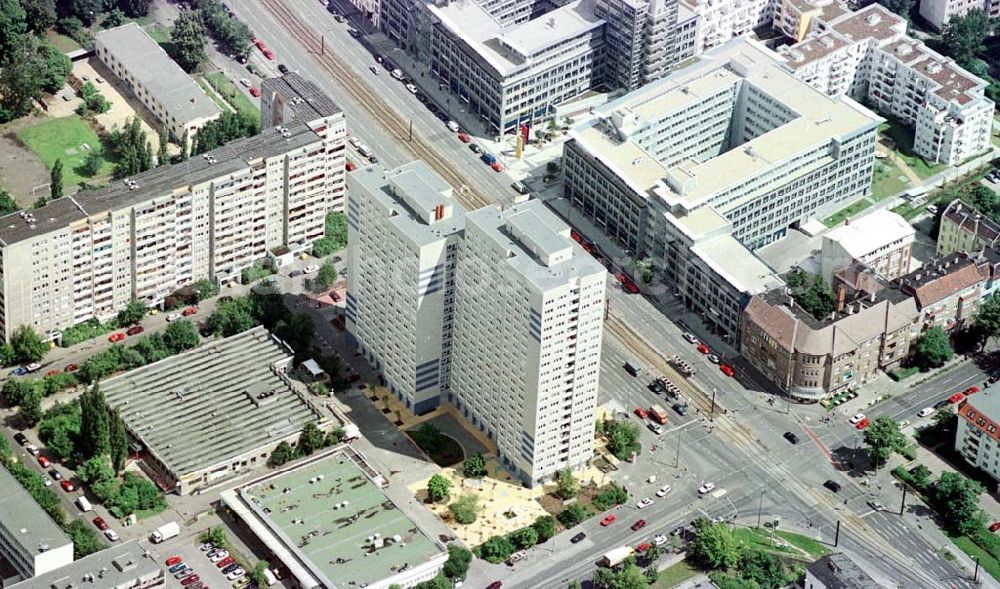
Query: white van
x,y
364,150
83,504
397,73
453,126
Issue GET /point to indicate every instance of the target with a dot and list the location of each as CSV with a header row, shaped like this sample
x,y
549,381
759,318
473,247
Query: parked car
x,y
245,82
67,486
43,462
177,567
19,371
641,413
857,418
173,560
32,366
577,538
225,562
20,438
33,449
282,68
53,372
644,503
832,485
608,520
994,526
681,408
206,547
173,317
690,337
706,488
727,370
643,547
662,492
373,69
714,359
941,404
111,535
655,428
862,424
638,525
116,337
925,412
791,437
55,474
71,368
189,311
254,91
100,523
235,574
135,330
475,148
189,580
219,555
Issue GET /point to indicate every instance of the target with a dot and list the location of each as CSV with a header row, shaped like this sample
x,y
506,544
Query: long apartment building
x,y
29,540
868,56
87,255
495,311
127,565
718,157
720,21
156,80
512,62
937,13
403,231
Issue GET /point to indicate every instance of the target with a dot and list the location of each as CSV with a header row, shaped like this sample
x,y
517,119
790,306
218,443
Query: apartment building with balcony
x,y
720,21
812,359
404,229
30,541
87,255
937,13
963,228
977,437
868,56
529,308
882,240
156,80
724,155
947,291
291,98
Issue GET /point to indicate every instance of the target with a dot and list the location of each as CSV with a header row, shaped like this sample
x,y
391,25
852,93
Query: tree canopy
x,y
883,437
714,545
933,349
188,39
957,500
465,509
965,36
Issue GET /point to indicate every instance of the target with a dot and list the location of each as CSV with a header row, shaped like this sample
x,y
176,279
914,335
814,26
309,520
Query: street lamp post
x,y
975,575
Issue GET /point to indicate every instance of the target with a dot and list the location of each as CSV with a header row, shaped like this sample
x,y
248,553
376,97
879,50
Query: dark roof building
x,y
838,571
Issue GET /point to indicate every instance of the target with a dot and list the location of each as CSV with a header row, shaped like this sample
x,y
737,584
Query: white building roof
x,y
871,232
736,264
26,523
120,565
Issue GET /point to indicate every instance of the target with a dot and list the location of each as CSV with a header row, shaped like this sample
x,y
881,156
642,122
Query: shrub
x,y
615,495
573,515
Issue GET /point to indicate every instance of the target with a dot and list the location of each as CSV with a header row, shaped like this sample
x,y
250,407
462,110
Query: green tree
x,y
965,36
180,336
185,145
281,454
335,238
623,438
465,509
573,515
333,437
13,391
957,500
817,300
762,568
85,10
901,7
215,535
60,429
92,163
162,158
133,313
232,317
96,470
920,476
310,440
474,466
524,538
226,128
22,78
714,546
457,565
933,349
567,486
573,585
545,526
135,8
653,553
56,180
56,68
428,436
987,321
257,575
85,540
30,412
883,438
205,289
438,488
13,26
27,345
39,14
7,204
118,440
188,39
298,332
114,18
496,549
603,578
326,276
133,150
95,433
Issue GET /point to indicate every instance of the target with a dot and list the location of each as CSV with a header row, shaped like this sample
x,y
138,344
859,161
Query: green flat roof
x,y
335,541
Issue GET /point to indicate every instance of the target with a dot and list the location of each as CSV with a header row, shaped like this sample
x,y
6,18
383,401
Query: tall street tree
x,y
987,321
40,14
13,26
20,82
56,180
883,438
95,431
188,38
933,349
957,499
118,440
26,345
965,36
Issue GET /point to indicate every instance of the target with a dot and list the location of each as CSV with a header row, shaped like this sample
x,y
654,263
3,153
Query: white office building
x,y
732,149
529,307
156,80
868,56
29,540
403,234
496,311
87,255
882,240
720,21
937,13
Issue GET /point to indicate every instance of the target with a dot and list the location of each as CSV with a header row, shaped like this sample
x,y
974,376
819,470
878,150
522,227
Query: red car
x,y
135,330
189,580
641,412
350,167
610,519
116,337
67,486
43,462
268,54
862,424
576,236
189,311
173,560
53,372
464,137
497,167
704,349
225,562
643,547
955,398
103,525
254,91
638,525
727,370
71,368
970,391
994,526
494,585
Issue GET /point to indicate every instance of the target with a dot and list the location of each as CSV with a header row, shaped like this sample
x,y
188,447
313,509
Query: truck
x,y
659,414
83,504
165,532
617,556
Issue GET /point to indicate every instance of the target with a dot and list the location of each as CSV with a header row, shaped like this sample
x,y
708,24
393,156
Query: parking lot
x,y
190,554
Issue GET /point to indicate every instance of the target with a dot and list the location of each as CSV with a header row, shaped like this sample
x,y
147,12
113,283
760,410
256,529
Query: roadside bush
x,y
85,539
84,331
988,541
573,515
255,273
615,495
545,527
495,550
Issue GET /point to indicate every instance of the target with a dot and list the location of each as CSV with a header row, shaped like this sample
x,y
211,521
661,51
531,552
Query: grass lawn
x,y
448,453
986,560
852,209
225,87
902,136
761,539
61,42
675,575
63,138
159,33
810,545
211,94
887,180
